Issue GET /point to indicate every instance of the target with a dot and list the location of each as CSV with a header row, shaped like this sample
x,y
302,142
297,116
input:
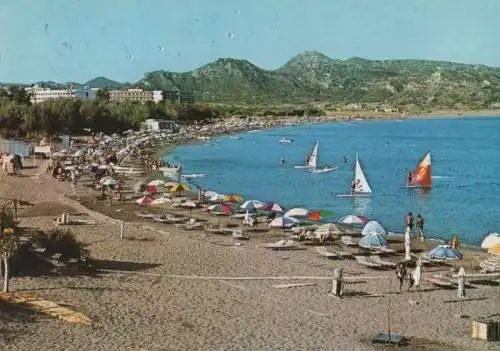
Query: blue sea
x,y
464,200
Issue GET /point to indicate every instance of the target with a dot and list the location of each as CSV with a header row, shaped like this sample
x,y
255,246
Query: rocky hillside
x,y
312,76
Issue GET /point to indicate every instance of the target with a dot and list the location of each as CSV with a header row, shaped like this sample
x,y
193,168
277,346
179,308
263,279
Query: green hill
x,y
103,82
312,76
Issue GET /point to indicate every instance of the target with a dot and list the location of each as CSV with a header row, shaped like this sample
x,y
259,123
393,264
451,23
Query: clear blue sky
x,y
76,40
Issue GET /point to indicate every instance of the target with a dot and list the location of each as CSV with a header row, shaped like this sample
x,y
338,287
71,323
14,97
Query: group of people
x,y
409,222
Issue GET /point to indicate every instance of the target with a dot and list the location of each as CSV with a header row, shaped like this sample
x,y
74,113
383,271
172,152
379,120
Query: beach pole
x,y
122,229
337,284
461,290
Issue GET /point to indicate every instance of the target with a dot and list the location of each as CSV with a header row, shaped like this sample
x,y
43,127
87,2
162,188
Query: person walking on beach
x,y
401,274
420,226
409,222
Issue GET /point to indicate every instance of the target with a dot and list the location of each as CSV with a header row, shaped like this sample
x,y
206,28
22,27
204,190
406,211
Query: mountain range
x,y
313,76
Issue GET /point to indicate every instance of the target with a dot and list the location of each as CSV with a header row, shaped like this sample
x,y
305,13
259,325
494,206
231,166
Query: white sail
x,y
362,185
313,158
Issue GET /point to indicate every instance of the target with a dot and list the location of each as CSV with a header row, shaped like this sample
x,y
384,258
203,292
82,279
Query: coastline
x,y
150,298
294,121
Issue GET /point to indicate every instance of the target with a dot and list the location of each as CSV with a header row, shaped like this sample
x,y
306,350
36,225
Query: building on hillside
x,y
160,124
38,94
86,93
136,95
178,97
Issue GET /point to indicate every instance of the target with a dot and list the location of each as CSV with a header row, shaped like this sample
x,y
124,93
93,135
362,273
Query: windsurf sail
x,y
422,175
313,158
361,184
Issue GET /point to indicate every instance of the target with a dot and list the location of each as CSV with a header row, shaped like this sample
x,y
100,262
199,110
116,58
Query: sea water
x,y
464,199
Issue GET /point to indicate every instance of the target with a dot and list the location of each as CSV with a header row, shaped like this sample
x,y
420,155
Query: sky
x,y
77,40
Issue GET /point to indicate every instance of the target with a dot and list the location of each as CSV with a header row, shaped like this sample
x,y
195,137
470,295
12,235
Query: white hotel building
x,y
137,95
38,94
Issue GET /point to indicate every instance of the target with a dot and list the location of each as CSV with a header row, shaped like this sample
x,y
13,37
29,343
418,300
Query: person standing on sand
x,y
401,274
409,222
420,226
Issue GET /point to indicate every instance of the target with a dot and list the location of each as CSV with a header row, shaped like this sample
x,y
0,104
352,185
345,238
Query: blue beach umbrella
x,y
373,241
444,252
373,227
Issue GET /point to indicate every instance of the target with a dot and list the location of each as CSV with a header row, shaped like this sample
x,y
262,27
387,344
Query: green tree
x,y
102,95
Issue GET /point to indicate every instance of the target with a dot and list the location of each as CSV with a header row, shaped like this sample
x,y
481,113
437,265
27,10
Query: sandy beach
x,y
162,288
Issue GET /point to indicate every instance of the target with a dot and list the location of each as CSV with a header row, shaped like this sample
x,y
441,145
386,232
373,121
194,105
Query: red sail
x,y
422,174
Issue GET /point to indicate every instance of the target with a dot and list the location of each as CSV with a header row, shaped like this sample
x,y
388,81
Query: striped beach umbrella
x,y
319,215
353,219
179,187
251,204
233,198
494,250
272,207
219,209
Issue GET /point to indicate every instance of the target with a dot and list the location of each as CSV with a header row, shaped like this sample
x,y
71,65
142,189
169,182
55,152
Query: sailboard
x,y
421,176
312,159
362,187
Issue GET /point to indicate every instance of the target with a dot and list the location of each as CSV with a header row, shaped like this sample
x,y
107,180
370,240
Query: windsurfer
x,y
355,184
345,159
410,178
283,161
307,158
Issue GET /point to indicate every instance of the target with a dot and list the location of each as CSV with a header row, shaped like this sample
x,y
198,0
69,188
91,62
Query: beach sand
x,y
138,304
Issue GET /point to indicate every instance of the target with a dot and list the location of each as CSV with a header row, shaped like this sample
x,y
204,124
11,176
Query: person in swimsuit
x,y
409,222
420,226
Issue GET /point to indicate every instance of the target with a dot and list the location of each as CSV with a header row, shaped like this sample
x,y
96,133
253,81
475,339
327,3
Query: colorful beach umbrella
x,y
283,222
272,207
179,187
319,215
443,252
107,180
251,205
233,198
494,250
297,212
144,201
219,208
156,182
153,189
209,193
490,240
353,219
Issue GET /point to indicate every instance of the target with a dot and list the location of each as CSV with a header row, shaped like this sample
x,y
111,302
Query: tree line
x,y
19,118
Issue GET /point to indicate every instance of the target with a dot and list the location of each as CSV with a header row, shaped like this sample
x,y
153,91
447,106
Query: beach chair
x,y
347,240
323,251
283,245
365,261
377,259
